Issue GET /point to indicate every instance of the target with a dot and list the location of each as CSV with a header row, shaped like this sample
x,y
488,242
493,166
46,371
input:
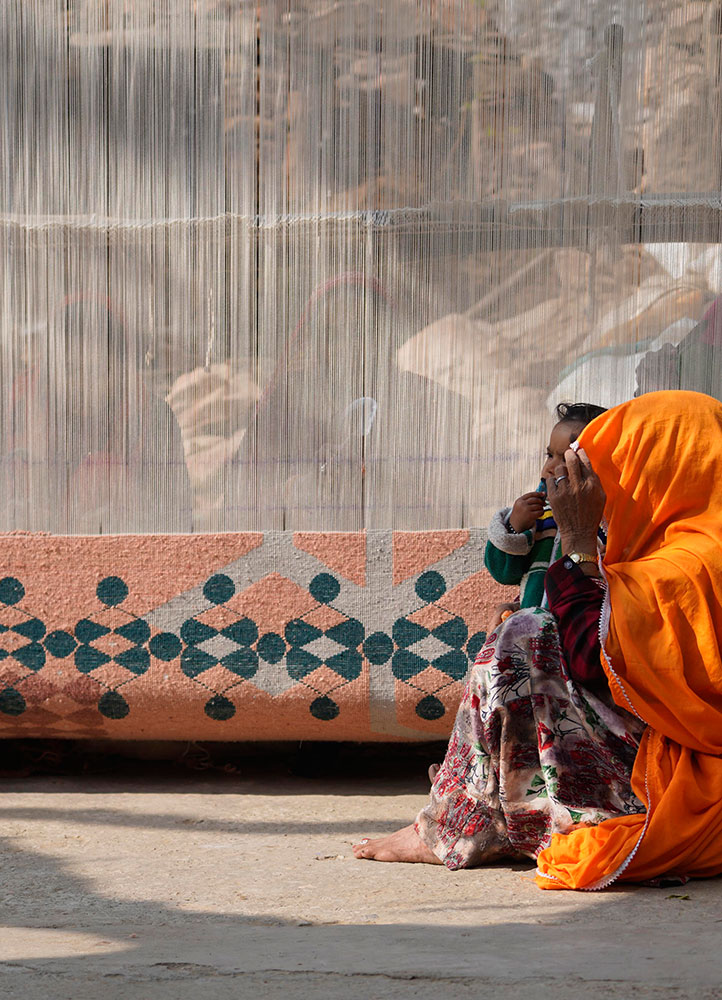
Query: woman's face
x,y
561,437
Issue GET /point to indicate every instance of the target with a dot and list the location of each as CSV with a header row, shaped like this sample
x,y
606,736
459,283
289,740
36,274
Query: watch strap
x,y
583,557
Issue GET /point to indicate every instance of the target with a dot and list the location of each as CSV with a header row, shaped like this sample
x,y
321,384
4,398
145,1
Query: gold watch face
x,y
580,557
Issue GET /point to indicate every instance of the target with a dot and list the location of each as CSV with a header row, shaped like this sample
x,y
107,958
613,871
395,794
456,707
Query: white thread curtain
x,y
330,265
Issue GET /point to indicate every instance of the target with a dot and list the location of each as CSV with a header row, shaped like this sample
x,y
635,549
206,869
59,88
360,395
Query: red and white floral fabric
x,y
531,754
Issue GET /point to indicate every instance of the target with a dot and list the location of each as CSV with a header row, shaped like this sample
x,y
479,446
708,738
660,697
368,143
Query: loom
x,y
289,294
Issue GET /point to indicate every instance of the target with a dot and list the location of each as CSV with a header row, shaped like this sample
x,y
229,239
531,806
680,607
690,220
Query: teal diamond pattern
x,y
232,647
418,647
134,657
239,647
88,657
29,652
415,647
337,648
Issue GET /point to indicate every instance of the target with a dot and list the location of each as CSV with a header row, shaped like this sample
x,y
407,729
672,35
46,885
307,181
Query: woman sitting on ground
x,y
590,734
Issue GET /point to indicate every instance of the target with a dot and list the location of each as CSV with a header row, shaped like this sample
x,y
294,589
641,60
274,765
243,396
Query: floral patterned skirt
x,y
531,753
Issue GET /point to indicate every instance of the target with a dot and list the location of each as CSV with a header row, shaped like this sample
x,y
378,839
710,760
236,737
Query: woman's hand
x,y
526,510
577,501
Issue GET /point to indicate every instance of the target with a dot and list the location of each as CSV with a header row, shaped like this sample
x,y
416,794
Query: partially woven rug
x,y
252,636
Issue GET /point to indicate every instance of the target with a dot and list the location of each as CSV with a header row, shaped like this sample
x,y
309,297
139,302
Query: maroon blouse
x,y
576,601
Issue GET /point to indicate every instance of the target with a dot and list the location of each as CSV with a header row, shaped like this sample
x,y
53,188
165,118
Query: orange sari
x,y
659,458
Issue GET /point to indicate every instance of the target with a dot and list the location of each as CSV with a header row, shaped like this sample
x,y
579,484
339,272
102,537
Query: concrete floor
x,y
152,882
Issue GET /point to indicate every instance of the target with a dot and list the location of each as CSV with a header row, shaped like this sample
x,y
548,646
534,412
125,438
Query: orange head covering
x,y
659,458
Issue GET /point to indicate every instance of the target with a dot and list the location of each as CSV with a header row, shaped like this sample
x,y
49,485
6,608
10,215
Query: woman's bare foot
x,y
433,771
404,845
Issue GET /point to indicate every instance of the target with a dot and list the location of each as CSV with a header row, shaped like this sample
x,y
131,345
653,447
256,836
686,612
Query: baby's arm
x,y
507,555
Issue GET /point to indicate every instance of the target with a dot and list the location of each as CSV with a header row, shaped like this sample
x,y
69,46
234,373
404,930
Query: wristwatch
x,y
582,557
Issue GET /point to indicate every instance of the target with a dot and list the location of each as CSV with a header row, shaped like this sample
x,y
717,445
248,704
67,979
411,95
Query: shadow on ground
x,y
83,919
98,946
385,768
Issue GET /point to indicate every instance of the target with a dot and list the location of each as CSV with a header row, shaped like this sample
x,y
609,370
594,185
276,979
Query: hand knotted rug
x,y
251,636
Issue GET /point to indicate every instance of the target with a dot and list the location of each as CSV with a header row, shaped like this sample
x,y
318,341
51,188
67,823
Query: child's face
x,y
561,437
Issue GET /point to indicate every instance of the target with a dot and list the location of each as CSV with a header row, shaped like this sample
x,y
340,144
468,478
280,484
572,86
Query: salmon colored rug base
x,y
253,636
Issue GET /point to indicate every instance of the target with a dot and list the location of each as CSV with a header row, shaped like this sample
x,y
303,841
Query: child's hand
x,y
526,510
501,613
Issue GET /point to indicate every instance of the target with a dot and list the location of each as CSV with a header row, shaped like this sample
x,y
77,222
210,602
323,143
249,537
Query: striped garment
x,y
524,558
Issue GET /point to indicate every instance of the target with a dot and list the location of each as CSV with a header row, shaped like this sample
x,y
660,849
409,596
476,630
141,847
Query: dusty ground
x,y
139,879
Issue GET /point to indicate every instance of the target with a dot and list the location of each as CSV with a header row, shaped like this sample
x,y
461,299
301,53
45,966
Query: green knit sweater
x,y
522,559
